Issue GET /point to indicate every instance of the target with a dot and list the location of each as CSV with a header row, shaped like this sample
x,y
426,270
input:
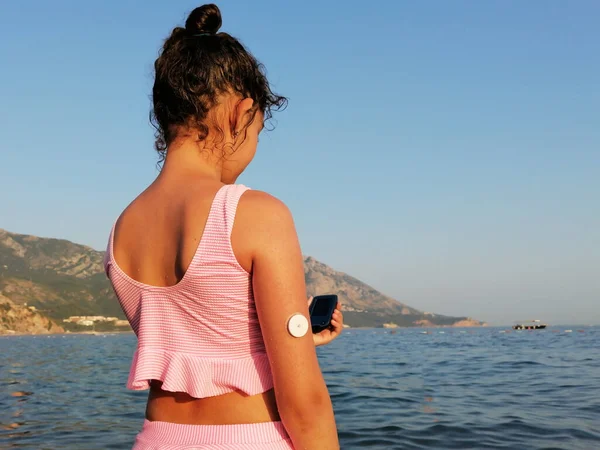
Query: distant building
x,y
77,319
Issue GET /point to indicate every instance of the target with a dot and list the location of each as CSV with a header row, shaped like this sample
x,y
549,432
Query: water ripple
x,y
476,389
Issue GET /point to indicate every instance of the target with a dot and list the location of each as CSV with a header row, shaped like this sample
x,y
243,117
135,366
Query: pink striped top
x,y
200,336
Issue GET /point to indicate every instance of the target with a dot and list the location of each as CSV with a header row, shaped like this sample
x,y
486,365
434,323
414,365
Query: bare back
x,y
155,241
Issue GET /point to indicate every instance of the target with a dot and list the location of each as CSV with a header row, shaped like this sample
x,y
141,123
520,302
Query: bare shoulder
x,y
263,224
260,211
260,202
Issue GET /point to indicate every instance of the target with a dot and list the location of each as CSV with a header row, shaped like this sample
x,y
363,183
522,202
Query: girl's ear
x,y
242,115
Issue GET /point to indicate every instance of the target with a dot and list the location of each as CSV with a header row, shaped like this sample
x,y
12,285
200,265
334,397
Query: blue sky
x,y
447,153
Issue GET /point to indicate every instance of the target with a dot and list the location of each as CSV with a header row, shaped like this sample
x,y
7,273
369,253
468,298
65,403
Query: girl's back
x,y
189,300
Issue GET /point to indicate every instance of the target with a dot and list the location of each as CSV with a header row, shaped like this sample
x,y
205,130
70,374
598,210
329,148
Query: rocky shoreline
x,y
17,319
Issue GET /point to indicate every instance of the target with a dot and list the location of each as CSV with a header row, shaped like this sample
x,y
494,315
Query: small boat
x,y
530,325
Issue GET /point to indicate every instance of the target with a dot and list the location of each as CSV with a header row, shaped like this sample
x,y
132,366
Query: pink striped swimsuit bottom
x,y
173,436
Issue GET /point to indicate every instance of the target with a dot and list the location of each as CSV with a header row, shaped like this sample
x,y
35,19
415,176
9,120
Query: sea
x,y
405,388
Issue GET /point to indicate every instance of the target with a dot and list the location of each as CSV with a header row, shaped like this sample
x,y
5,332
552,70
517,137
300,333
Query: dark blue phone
x,y
321,309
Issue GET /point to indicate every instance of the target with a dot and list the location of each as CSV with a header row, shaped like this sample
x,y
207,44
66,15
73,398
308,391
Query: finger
x,y
310,299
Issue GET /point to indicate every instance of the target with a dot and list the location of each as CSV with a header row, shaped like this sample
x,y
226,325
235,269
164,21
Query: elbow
x,y
303,410
307,415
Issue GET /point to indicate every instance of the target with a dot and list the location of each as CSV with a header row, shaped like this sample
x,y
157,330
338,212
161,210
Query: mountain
x,y
61,279
365,306
58,277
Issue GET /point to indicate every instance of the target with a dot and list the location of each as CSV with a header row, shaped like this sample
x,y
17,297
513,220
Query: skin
x,y
157,236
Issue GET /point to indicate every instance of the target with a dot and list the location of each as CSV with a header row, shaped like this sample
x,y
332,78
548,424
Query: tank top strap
x,y
231,197
216,239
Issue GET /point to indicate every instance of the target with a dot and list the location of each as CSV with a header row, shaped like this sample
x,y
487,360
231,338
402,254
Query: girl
x,y
210,274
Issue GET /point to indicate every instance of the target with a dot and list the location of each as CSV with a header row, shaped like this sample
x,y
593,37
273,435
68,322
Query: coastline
x,y
130,331
92,333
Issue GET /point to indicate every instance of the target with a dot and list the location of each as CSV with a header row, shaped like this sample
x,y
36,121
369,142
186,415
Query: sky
x,y
446,153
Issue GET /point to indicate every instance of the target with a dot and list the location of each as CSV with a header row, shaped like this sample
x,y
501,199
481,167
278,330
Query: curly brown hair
x,y
195,66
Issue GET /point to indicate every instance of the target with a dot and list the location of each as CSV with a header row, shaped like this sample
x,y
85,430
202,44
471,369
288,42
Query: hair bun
x,y
204,19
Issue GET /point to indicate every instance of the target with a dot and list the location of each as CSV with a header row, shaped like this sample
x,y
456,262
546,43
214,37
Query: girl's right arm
x,y
279,289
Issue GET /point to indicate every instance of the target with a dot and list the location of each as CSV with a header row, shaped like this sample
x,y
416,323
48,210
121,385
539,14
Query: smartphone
x,y
321,309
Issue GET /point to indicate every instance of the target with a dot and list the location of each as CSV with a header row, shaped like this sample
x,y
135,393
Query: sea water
x,y
487,388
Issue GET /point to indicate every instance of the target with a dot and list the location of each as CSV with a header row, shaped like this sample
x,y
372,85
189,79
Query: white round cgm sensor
x,y
298,325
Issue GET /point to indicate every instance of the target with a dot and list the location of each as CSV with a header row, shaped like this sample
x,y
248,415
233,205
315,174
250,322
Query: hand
x,y
334,330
